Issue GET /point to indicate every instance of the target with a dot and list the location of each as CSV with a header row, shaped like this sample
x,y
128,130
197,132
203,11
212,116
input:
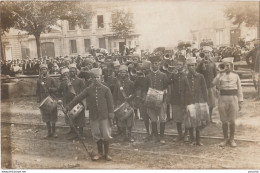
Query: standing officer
x,y
158,81
46,86
208,68
180,96
198,95
230,99
70,88
124,88
101,112
141,87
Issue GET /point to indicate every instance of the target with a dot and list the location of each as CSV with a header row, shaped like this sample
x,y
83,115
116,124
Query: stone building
x,y
68,39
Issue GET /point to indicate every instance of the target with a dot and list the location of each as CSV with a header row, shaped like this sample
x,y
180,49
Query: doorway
x,y
48,49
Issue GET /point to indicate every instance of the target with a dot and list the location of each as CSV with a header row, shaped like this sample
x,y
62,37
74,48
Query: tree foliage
x,y
243,12
122,23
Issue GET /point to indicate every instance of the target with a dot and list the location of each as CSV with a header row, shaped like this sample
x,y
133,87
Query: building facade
x,y
223,33
68,39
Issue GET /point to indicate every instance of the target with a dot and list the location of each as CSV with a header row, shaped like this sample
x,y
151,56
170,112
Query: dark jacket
x,y
158,80
128,87
99,99
209,71
199,93
46,86
180,90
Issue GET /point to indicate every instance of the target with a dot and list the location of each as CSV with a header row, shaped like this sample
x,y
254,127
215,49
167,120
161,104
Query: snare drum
x,y
74,112
48,105
190,119
154,99
123,111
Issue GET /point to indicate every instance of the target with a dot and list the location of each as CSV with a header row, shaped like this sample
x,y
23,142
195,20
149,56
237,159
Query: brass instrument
x,y
221,67
172,69
202,55
133,72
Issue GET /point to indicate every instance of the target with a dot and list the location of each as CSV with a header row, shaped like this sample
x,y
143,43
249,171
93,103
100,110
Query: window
x,y
129,44
102,43
100,21
25,52
87,44
86,26
72,26
73,46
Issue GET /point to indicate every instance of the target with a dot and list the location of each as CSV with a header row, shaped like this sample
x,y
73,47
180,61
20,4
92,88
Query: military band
x,y
160,87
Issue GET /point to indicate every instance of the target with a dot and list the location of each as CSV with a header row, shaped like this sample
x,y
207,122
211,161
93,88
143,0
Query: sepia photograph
x,y
130,85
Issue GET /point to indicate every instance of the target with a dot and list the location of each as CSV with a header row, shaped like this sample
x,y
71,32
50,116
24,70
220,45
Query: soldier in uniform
x,y
123,90
70,88
230,99
180,96
141,87
158,81
47,86
101,112
208,68
198,95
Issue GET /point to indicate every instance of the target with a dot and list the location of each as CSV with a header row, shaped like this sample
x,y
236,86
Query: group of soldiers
x,y
187,85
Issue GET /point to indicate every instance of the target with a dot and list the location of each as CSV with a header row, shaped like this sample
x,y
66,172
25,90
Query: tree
x,y
122,24
37,17
243,12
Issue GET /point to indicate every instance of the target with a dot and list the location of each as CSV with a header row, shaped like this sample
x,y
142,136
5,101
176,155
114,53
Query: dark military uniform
x,y
119,98
209,71
179,99
78,87
46,86
198,95
158,80
100,102
141,87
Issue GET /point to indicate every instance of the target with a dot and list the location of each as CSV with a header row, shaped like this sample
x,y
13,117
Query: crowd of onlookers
x,y
31,66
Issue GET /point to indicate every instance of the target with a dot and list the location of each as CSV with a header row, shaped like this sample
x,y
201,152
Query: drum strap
x,y
122,91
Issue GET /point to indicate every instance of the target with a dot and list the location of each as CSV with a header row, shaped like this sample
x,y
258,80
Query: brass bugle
x,y
202,55
221,67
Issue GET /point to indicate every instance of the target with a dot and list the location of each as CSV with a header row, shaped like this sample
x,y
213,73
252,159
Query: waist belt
x,y
228,92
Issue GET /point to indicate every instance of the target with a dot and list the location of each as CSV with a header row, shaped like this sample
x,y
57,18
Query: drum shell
x,y
76,110
154,99
48,105
124,111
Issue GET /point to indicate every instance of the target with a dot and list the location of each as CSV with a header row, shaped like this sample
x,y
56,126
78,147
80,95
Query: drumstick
x,y
75,129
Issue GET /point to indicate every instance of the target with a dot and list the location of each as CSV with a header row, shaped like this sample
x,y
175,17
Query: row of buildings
x,y
76,40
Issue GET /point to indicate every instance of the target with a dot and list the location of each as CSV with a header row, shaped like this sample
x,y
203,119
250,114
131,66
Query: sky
x,y
165,23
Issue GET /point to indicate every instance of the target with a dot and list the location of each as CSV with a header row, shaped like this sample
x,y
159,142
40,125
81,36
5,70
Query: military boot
x,y
54,131
49,130
155,132
162,129
191,136
100,151
225,133
179,129
198,137
185,135
232,134
106,147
